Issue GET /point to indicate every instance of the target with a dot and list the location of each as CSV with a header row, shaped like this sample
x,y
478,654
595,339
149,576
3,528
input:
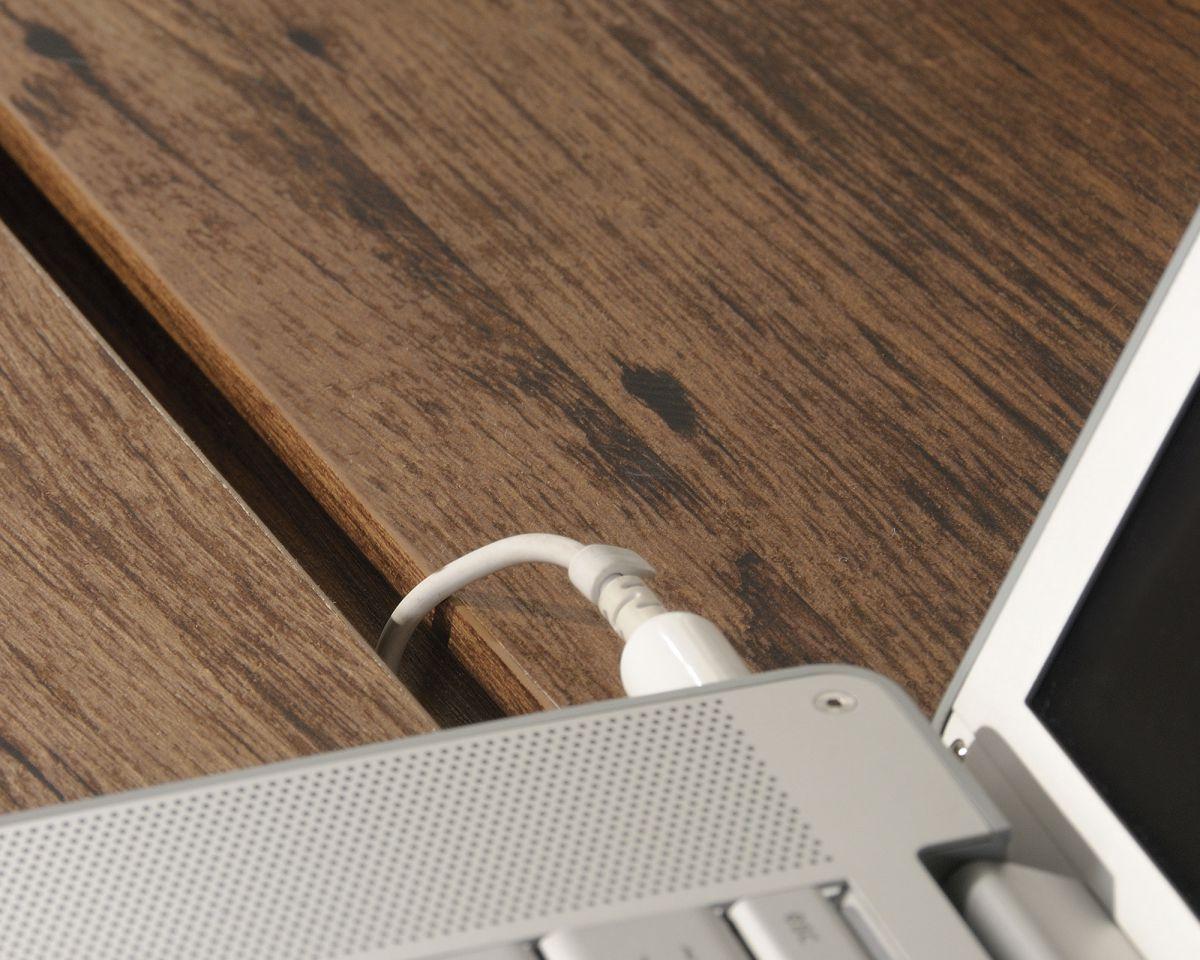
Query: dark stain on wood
x,y
663,394
310,43
47,42
776,603
612,450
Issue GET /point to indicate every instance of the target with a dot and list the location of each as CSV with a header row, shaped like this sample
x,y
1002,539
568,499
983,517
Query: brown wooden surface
x,y
805,301
150,628
271,491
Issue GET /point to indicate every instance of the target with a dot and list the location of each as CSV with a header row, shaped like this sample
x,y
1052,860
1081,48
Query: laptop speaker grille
x,y
405,846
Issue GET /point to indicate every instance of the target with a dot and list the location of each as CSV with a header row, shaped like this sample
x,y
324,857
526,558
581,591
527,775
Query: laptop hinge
x,y
1020,912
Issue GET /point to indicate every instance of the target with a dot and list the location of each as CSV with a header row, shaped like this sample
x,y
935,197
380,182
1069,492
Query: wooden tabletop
x,y
150,628
806,302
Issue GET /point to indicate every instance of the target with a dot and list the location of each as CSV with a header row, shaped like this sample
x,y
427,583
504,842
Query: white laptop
x,y
1052,811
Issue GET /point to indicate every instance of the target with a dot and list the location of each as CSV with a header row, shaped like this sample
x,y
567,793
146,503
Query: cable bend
x,y
663,650
440,585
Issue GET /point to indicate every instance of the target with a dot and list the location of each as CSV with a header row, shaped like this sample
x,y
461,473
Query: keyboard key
x,y
799,924
688,935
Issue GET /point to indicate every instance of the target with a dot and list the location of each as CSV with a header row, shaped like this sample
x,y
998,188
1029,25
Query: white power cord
x,y
663,650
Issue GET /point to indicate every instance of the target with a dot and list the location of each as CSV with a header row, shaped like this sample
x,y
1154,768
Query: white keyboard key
x,y
688,935
795,925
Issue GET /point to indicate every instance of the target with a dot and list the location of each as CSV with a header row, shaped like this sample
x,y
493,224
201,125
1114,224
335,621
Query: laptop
x,y
1051,811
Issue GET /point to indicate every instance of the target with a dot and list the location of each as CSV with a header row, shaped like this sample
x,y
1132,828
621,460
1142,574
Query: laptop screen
x,y
1121,693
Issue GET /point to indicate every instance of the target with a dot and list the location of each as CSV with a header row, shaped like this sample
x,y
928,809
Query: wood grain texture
x,y
806,301
272,492
150,628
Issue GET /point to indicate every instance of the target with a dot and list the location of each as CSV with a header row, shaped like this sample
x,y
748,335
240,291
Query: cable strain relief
x,y
627,603
592,566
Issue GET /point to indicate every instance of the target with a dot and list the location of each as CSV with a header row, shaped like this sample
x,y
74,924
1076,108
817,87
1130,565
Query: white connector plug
x,y
675,650
663,650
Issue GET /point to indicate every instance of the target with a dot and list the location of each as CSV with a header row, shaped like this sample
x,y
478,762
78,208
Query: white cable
x,y
439,586
663,651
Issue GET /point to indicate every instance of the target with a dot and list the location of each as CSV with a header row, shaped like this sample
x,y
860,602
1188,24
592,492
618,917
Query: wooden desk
x,y
150,629
805,301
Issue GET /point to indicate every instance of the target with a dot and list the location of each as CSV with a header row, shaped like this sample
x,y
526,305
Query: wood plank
x,y
804,300
150,628
272,492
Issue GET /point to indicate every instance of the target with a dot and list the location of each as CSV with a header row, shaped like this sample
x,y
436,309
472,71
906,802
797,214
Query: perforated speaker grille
x,y
403,847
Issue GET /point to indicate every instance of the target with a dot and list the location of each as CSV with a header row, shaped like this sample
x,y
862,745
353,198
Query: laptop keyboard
x,y
800,924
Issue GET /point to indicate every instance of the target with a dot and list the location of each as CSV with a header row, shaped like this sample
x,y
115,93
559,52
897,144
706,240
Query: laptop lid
x,y
1086,668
